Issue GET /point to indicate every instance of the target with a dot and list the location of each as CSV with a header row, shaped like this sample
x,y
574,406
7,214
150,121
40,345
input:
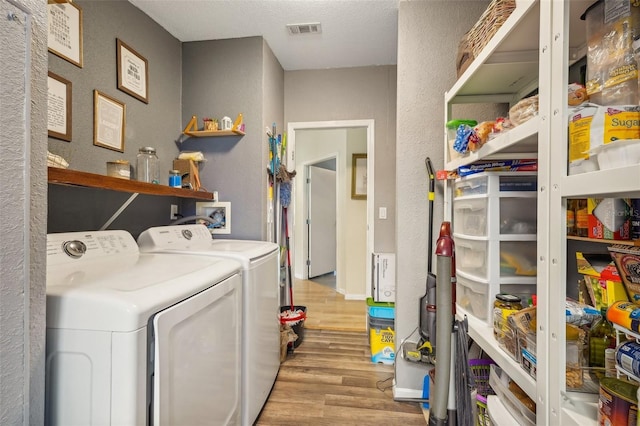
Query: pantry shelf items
x,y
237,129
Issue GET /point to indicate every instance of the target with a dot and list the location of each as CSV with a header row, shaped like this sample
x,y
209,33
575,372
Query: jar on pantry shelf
x,y
503,306
601,337
175,180
147,165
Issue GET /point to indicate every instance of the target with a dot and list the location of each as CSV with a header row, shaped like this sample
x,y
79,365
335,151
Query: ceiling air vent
x,y
297,29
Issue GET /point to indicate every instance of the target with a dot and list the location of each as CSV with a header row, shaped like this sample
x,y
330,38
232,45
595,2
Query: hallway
x,y
327,309
330,379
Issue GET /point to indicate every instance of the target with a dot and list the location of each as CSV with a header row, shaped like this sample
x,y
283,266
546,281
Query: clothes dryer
x,y
261,332
138,338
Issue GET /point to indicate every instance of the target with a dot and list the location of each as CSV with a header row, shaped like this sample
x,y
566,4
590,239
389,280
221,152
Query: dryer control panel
x,y
176,237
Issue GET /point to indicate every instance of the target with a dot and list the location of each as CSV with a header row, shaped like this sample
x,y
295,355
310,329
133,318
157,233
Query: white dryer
x,y
261,334
137,338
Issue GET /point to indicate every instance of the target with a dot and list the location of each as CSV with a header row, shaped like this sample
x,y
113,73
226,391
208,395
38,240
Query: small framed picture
x,y
64,29
219,213
59,107
108,122
359,177
133,72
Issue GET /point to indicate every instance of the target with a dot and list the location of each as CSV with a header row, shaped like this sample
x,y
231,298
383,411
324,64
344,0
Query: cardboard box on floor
x,y
189,171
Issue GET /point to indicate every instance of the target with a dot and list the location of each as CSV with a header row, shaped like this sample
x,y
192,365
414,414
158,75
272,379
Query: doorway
x,y
321,221
309,143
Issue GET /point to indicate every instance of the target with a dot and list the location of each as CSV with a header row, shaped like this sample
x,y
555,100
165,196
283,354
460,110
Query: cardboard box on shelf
x,y
603,282
609,218
189,171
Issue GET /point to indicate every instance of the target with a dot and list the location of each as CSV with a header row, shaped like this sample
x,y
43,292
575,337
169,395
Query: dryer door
x,y
197,358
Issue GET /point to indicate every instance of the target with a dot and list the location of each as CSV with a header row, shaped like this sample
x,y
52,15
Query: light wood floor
x,y
327,309
329,379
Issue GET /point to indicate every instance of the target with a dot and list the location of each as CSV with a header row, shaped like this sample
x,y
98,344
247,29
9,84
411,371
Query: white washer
x,y
139,339
261,336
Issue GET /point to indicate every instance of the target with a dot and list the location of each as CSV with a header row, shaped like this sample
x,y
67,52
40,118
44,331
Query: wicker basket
x,y
477,38
480,369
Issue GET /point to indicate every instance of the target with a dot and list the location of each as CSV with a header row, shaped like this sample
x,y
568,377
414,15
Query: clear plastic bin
x,y
518,215
471,256
506,336
473,297
470,217
517,258
499,382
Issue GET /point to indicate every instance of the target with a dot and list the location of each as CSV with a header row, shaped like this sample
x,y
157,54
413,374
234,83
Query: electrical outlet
x,y
174,212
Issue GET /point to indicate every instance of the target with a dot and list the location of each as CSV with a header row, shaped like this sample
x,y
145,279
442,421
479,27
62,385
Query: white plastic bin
x,y
473,297
470,217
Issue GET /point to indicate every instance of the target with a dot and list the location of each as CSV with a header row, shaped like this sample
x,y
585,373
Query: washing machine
x,y
137,338
261,332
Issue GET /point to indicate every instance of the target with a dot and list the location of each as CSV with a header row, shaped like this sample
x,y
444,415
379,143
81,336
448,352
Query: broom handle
x,y
286,233
427,162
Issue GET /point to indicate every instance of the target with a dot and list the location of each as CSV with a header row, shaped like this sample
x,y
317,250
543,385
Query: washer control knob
x,y
74,248
187,234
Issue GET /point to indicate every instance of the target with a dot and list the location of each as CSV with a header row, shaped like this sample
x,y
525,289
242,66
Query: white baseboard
x,y
404,393
355,297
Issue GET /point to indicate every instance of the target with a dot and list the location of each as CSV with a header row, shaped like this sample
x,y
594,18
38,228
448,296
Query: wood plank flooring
x,y
327,309
329,379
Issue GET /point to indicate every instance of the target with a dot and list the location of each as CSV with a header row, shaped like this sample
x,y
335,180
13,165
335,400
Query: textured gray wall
x,y
23,109
427,46
157,123
272,112
354,94
225,77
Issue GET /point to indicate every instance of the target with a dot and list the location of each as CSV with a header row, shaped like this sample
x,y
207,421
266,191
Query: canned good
x,y
628,357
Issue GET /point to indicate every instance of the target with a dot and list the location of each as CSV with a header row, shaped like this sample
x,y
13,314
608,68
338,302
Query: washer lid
x,y
120,292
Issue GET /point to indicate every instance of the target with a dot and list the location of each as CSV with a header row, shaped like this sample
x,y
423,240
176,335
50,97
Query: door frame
x,y
369,124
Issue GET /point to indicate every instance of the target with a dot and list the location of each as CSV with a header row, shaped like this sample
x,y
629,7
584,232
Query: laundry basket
x,y
480,369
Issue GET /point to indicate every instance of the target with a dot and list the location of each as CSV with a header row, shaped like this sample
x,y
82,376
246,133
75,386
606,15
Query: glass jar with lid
x,y
504,305
147,165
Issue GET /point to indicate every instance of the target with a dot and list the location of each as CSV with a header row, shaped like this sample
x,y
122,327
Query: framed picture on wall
x,y
359,177
108,122
59,107
220,214
64,30
133,72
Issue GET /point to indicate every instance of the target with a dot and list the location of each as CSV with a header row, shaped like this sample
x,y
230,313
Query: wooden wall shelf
x,y
213,133
192,129
90,180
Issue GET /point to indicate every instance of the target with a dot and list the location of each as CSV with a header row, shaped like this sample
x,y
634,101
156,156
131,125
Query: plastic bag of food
x,y
461,143
524,110
580,314
577,94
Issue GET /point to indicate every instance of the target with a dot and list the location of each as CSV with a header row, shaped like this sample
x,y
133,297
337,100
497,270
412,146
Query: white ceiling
x,y
354,32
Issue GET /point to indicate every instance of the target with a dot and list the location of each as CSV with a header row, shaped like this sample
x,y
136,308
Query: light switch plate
x,y
382,213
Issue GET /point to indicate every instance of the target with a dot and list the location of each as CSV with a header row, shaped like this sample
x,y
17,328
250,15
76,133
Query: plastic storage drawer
x,y
486,183
471,256
472,185
518,258
470,216
473,297
518,215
